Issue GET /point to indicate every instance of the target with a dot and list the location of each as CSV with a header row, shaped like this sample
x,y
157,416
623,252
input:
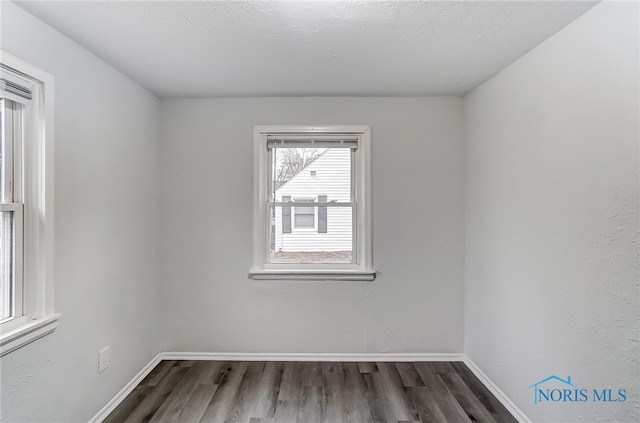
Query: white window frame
x,y
362,267
37,317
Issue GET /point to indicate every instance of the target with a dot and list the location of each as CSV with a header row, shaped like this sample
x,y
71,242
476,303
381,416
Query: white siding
x,y
332,178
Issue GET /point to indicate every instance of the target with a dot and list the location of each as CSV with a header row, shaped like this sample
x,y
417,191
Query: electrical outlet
x,y
103,359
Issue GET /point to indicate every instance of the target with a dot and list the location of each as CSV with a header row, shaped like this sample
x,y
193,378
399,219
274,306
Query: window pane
x,y
305,220
2,136
6,264
332,244
310,172
304,210
305,217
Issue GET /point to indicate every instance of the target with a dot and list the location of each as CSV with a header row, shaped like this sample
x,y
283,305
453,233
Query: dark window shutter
x,y
286,215
322,215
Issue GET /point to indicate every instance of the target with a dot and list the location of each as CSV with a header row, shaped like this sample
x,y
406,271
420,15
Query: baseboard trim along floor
x,y
365,357
348,357
120,396
497,392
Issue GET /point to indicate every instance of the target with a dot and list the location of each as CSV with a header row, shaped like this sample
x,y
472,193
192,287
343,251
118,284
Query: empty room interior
x,y
320,211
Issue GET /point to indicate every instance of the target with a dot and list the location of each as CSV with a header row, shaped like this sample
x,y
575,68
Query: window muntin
x,y
333,173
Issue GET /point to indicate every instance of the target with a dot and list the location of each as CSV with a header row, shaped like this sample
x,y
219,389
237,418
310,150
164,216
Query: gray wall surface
x,y
105,160
205,206
552,218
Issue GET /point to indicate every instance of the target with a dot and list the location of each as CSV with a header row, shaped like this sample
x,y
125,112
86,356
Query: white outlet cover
x,y
103,359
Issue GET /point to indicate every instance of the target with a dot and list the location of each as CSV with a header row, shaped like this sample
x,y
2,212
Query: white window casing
x,y
34,316
357,138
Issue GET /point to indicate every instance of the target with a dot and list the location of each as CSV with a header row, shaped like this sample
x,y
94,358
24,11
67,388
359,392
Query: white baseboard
x,y
120,396
311,356
497,392
367,357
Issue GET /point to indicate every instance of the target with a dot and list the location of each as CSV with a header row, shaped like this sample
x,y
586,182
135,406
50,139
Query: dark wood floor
x,y
289,392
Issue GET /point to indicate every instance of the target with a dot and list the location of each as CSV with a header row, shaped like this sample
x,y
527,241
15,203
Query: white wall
x,y
105,240
552,217
205,184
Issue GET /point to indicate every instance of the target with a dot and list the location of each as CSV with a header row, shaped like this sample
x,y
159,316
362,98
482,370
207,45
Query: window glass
x,y
305,217
335,246
301,234
6,265
10,273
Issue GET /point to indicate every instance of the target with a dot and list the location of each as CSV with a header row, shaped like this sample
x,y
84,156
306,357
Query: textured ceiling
x,y
361,48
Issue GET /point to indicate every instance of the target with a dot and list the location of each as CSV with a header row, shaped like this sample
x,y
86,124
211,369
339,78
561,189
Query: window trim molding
x,y
38,216
363,269
29,332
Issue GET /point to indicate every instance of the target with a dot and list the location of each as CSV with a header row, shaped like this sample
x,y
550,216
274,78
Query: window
x,y
312,203
304,217
11,212
26,189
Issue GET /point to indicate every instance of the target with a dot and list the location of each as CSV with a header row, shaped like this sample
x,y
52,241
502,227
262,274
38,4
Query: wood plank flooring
x,y
291,392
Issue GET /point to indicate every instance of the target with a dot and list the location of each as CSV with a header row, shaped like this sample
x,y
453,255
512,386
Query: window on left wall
x,y
26,209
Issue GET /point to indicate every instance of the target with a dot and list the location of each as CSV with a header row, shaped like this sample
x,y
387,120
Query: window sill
x,y
313,275
36,329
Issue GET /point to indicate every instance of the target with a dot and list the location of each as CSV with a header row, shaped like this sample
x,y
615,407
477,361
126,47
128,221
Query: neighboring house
x,y
307,228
